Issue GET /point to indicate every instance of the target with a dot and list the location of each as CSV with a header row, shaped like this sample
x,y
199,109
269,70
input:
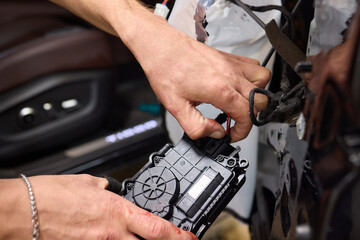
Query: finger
x,y
233,103
240,58
194,123
258,75
240,130
152,227
239,111
260,100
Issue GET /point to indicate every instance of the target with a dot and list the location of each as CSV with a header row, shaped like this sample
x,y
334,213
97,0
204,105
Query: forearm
x,y
105,13
130,20
142,31
15,213
91,11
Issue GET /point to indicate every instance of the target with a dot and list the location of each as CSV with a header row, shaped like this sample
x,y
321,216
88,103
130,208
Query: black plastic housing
x,y
189,184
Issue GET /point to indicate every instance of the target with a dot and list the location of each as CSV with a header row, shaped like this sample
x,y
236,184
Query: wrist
x,y
15,214
133,22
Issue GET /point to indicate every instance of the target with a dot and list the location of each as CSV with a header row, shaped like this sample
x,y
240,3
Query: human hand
x,y
79,207
209,76
184,73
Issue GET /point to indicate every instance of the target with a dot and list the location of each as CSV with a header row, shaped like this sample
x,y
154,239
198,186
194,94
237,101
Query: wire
x,y
228,124
271,96
284,102
165,2
283,10
272,50
250,12
289,24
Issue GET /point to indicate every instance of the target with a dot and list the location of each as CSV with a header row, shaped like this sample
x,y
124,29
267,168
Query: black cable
x,y
290,93
271,96
283,102
228,125
272,50
251,13
282,9
249,10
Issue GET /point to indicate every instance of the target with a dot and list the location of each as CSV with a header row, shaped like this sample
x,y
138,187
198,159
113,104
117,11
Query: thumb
x,y
194,123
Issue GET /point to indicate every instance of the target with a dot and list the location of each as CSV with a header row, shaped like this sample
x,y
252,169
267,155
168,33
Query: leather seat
x,y
50,58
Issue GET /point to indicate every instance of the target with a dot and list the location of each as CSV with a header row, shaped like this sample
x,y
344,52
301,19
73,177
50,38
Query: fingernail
x,y
216,134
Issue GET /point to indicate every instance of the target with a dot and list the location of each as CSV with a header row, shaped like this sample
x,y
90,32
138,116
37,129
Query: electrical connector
x,y
161,10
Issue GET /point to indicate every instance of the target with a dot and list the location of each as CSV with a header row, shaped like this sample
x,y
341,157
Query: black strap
x,y
284,46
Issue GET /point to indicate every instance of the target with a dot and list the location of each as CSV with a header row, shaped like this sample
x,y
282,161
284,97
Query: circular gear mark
x,y
154,187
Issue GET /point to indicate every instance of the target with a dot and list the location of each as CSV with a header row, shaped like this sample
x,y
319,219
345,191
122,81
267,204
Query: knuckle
x,y
86,178
113,207
256,61
241,113
228,94
157,229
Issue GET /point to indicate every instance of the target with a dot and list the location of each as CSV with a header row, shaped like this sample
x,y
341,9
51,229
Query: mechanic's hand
x,y
184,73
204,75
78,207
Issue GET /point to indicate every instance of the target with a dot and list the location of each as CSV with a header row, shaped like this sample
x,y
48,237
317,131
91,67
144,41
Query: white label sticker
x,y
199,187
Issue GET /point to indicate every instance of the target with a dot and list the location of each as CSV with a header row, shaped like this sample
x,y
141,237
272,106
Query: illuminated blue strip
x,y
127,133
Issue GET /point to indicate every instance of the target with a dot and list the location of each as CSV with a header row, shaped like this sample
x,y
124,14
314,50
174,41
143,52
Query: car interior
x,y
73,99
